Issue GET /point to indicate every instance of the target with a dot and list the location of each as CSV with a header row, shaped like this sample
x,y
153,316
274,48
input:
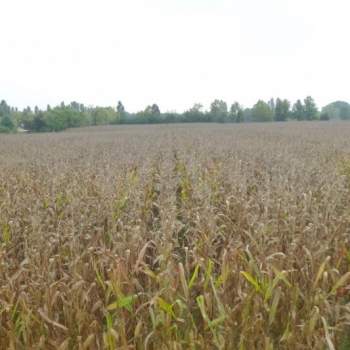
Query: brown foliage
x,y
176,237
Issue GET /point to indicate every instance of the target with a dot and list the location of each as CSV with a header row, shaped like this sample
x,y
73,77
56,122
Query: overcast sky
x,y
173,52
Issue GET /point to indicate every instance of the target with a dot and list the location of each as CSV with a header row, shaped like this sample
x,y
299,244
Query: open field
x,y
176,237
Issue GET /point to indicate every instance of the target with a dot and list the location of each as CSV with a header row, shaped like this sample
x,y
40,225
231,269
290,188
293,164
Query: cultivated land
x,y
176,237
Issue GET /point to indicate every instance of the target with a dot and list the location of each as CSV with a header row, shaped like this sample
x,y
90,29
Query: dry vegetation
x,y
176,237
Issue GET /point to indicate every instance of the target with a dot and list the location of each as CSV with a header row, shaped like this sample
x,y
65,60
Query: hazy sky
x,y
173,52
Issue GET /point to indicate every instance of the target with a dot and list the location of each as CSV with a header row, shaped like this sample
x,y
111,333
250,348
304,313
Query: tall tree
x,y
75,106
121,113
7,124
236,113
218,111
39,122
298,110
281,110
120,107
262,112
155,109
150,115
310,109
194,114
4,108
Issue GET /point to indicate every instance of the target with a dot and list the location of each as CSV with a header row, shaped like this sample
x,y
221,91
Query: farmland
x,y
176,237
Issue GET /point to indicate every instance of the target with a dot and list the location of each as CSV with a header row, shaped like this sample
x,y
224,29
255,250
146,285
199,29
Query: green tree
x,y
103,115
7,124
151,114
338,110
56,120
155,110
310,109
194,114
120,107
26,118
298,110
236,113
121,113
39,123
75,106
4,109
262,112
218,111
281,111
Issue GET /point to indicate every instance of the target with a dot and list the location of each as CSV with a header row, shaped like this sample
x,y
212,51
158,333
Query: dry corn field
x,y
176,237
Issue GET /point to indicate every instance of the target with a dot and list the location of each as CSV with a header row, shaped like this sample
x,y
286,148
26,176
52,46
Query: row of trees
x,y
76,114
280,110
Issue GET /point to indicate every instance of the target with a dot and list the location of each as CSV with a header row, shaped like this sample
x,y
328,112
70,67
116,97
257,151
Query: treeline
x,y
76,114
